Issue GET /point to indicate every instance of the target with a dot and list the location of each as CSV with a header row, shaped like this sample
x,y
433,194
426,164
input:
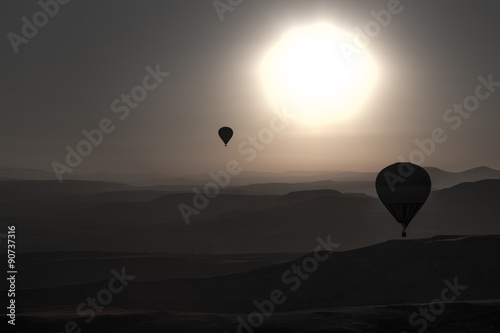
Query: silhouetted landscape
x,y
82,215
226,166
203,276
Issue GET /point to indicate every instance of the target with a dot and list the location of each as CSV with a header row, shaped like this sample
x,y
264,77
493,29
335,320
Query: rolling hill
x,y
391,273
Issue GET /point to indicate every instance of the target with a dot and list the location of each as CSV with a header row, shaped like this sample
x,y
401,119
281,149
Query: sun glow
x,y
318,73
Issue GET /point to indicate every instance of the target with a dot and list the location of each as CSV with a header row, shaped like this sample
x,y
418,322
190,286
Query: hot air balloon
x,y
403,188
225,133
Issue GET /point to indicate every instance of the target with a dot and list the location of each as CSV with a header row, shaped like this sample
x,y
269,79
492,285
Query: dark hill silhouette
x,y
480,189
247,224
393,272
367,187
121,196
443,179
74,268
450,209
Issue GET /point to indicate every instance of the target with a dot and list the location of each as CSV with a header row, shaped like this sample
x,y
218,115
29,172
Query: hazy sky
x,y
65,78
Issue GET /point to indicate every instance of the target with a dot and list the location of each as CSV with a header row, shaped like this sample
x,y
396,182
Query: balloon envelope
x,y
403,188
225,133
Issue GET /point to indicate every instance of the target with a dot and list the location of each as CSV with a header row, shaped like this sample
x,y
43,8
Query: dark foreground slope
x,y
393,272
52,269
459,317
372,289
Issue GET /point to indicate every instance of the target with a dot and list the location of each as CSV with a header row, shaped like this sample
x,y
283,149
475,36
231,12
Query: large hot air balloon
x,y
225,133
403,188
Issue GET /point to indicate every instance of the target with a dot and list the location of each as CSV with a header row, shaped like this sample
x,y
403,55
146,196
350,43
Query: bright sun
x,y
317,73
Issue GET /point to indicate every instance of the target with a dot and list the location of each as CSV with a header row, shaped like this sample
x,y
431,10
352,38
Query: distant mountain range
x,y
140,221
28,184
440,178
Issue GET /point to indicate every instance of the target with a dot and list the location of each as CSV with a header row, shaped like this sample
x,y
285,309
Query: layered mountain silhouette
x,y
206,275
242,223
440,178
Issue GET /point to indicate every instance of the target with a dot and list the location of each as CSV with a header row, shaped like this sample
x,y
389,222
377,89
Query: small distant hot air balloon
x,y
225,133
403,188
